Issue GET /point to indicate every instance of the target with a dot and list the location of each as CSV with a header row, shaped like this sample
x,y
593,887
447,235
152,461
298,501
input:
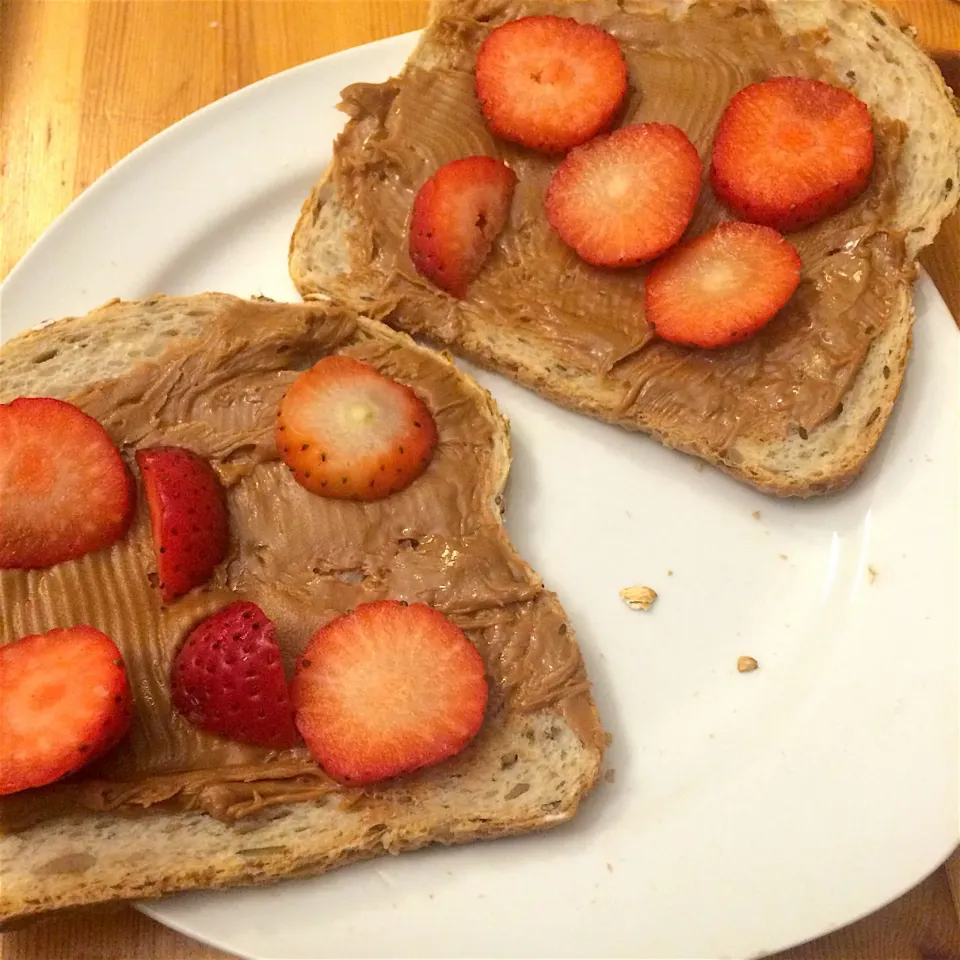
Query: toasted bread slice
x,y
173,808
794,412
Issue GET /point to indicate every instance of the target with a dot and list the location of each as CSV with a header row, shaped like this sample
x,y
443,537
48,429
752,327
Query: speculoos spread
x,y
303,559
683,70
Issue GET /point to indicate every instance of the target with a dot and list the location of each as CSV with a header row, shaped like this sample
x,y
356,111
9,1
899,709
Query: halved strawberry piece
x,y
64,701
721,287
188,515
388,689
791,151
228,678
347,431
457,214
549,82
625,198
64,490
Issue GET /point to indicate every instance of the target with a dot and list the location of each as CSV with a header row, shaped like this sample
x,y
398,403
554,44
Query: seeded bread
x,y
880,62
524,771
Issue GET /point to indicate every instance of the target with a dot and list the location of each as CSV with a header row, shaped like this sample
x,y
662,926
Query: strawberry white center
x,y
362,412
357,418
720,277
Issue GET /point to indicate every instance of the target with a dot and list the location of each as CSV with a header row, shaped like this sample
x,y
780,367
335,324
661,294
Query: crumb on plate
x,y
746,664
638,598
872,573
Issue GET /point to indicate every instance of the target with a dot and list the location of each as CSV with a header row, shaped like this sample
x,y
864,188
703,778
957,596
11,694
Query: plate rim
x,y
91,192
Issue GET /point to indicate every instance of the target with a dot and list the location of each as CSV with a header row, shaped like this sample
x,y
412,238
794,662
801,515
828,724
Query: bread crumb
x,y
669,573
783,556
610,867
756,514
872,573
610,776
608,739
638,598
746,664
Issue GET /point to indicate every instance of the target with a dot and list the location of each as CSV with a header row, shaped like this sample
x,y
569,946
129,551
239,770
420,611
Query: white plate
x,y
748,811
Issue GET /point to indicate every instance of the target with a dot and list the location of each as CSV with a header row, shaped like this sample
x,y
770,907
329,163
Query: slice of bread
x,y
541,745
740,409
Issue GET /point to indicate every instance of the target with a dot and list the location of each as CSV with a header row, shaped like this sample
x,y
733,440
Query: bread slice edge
x,y
526,774
885,63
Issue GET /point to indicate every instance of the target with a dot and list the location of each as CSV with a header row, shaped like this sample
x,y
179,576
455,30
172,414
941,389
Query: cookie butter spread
x,y
683,70
303,559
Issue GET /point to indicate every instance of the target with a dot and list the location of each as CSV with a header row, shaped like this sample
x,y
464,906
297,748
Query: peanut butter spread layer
x,y
684,71
303,559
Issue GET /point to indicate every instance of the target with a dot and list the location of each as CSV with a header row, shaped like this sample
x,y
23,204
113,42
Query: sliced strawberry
x,y
791,151
625,198
388,689
723,286
64,701
64,491
457,214
188,514
347,431
550,83
228,678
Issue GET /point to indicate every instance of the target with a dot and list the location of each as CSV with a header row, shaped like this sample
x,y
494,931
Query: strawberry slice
x,y
549,82
388,689
64,491
348,432
457,214
228,678
64,701
723,286
188,515
625,198
789,152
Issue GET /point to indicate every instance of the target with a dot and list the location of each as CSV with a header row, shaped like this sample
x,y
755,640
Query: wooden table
x,y
82,83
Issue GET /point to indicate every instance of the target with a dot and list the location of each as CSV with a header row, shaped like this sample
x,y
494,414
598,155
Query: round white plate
x,y
742,812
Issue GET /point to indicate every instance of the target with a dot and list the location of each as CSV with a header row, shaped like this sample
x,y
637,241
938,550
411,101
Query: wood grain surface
x,y
83,82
